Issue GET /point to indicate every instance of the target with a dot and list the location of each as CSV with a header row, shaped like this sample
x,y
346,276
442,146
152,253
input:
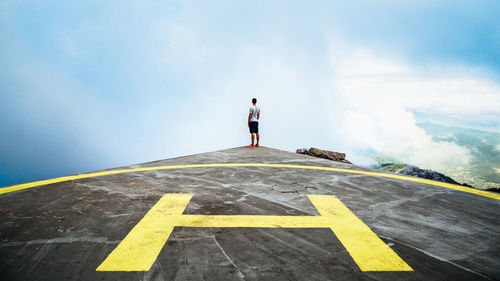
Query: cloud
x,y
380,94
446,90
497,147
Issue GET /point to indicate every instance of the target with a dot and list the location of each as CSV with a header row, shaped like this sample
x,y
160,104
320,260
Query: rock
x,y
335,156
326,154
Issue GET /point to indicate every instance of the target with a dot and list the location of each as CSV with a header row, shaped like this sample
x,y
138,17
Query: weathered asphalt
x,y
64,231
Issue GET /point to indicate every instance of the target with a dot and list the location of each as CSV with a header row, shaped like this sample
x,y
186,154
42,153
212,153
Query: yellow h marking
x,y
140,248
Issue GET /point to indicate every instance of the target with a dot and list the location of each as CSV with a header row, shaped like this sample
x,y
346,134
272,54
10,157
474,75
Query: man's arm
x,y
249,118
258,116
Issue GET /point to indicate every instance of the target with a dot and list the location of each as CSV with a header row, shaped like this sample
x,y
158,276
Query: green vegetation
x,y
395,167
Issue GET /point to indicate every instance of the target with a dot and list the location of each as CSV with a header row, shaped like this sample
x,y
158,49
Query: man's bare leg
x,y
258,137
253,138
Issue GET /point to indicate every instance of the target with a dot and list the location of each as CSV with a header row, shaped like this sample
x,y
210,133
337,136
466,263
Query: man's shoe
x,y
251,146
257,145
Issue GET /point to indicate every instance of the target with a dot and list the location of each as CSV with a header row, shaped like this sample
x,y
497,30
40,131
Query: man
x,y
253,122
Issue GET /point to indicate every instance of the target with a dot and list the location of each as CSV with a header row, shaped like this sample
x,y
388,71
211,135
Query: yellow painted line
x,y
112,172
140,248
138,251
368,251
250,221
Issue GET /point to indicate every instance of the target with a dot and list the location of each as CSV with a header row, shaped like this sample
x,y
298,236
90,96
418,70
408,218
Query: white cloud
x,y
378,96
448,90
497,147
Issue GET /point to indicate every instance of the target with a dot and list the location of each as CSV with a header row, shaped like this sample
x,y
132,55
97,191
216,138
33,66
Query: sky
x,y
89,85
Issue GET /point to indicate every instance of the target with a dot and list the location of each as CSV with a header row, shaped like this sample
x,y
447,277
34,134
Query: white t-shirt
x,y
255,111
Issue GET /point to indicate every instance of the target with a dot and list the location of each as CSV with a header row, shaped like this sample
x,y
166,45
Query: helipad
x,y
255,214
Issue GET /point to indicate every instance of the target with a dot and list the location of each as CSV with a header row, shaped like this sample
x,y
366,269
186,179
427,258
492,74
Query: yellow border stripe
x,y
112,172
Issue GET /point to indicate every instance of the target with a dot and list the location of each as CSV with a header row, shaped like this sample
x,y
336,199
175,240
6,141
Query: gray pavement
x,y
64,231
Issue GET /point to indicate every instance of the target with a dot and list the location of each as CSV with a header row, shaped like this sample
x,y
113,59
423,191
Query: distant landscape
x,y
483,172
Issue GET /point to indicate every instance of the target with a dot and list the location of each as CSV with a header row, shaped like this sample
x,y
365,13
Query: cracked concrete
x,y
63,231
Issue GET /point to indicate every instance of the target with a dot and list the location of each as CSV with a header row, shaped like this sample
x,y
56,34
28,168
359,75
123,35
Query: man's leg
x,y
253,137
257,139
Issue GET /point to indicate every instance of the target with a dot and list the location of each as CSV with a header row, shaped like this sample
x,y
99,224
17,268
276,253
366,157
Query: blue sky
x,y
92,85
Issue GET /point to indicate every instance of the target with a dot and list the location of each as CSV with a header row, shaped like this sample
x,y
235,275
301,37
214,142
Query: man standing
x,y
253,122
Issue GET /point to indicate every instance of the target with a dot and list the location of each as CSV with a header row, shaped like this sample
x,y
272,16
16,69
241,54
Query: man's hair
x,y
254,100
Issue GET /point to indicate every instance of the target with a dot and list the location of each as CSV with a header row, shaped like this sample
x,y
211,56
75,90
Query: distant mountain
x,y
405,169
484,169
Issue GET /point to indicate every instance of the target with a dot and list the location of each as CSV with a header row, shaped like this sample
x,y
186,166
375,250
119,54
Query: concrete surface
x,y
64,231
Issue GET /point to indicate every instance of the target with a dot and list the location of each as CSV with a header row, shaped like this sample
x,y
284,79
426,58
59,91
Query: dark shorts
x,y
254,127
